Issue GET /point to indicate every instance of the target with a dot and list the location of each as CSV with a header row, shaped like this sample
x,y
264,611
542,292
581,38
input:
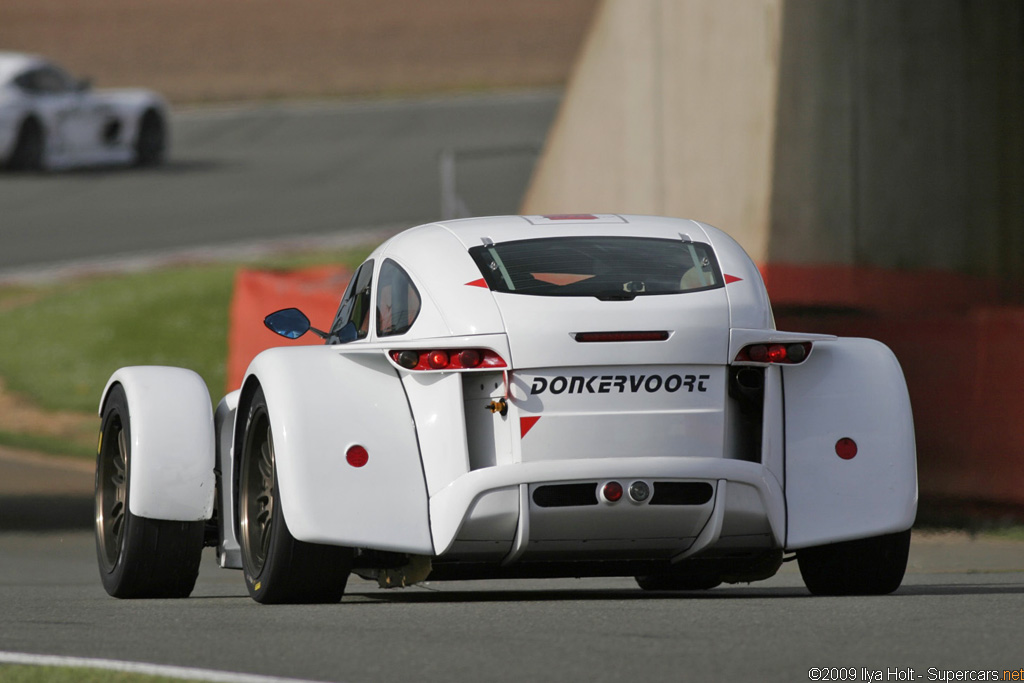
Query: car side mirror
x,y
290,323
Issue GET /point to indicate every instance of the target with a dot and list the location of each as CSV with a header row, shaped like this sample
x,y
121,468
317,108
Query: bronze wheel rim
x,y
257,495
112,492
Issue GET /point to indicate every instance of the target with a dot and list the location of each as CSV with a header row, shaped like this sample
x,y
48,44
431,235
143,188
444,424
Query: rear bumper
x,y
490,513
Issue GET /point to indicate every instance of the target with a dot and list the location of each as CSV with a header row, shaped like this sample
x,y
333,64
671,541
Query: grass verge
x,y
62,341
20,673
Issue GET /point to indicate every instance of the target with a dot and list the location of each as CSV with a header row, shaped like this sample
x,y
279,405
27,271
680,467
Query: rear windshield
x,y
604,267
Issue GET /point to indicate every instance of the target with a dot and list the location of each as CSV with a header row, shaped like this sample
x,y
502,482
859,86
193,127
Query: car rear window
x,y
604,267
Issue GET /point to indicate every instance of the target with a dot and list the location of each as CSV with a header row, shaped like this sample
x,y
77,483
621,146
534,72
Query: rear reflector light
x,y
447,359
357,456
846,448
787,354
654,335
612,491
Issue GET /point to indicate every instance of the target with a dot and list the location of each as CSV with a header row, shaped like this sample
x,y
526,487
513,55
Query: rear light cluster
x,y
447,359
774,353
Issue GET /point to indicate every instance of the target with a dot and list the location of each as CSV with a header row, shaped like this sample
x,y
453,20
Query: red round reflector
x,y
357,456
776,353
612,491
758,353
470,358
846,448
438,360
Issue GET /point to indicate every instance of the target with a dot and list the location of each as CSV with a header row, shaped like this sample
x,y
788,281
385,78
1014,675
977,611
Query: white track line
x,y
144,669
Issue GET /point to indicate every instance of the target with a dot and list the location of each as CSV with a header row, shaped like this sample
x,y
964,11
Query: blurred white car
x,y
52,120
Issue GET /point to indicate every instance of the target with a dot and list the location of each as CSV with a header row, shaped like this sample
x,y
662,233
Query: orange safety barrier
x,y
316,291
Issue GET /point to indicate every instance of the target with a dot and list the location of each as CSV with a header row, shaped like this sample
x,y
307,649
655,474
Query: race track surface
x,y
945,616
279,172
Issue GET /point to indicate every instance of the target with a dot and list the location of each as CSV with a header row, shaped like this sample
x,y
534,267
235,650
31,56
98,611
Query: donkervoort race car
x,y
525,396
51,120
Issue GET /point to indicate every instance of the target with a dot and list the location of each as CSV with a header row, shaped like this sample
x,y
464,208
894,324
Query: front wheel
x,y
29,150
138,557
278,568
868,566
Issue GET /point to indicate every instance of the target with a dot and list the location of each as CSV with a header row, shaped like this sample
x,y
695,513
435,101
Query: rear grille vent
x,y
681,493
565,495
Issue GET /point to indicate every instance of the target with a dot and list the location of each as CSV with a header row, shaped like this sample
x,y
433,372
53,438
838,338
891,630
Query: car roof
x,y
13,63
474,231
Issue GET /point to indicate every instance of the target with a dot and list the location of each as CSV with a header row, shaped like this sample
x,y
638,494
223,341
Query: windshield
x,y
604,267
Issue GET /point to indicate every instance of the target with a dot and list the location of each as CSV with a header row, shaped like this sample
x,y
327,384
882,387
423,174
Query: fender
x,y
322,400
172,449
229,552
848,388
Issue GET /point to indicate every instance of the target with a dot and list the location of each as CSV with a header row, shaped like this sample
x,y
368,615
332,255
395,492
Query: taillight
x,y
787,354
447,359
612,491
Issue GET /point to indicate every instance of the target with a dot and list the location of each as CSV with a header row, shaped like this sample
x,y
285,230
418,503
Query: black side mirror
x,y
290,323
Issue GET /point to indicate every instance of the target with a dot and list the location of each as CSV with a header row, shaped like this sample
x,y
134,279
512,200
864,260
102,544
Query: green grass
x,y
62,341
18,673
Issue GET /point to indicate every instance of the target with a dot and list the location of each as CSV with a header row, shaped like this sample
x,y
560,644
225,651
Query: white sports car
x,y
51,120
524,396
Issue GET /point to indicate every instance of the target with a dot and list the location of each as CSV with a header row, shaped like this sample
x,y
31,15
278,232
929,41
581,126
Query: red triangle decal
x,y
477,283
729,279
526,424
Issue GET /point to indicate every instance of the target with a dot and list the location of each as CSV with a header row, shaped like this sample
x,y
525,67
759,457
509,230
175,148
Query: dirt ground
x,y
232,50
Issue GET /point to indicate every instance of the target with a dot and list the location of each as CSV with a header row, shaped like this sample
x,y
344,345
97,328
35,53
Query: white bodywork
x,y
81,126
171,468
450,479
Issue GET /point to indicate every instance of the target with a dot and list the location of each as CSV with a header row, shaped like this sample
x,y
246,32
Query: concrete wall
x,y
670,111
851,132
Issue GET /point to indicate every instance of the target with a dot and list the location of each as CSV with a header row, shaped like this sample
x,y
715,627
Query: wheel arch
x,y
321,401
172,442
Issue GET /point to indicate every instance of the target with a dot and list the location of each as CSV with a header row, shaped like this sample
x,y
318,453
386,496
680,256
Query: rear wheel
x,y
138,557
151,143
28,150
278,568
868,566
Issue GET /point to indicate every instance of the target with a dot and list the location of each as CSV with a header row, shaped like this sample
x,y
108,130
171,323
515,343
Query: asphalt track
x,y
280,172
945,617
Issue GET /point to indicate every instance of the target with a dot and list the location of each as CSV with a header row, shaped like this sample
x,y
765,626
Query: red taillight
x,y
438,360
656,335
774,353
447,359
846,448
612,491
357,456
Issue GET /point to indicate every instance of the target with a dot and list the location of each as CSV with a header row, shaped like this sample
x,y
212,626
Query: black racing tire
x,y
278,568
151,140
868,566
138,557
677,582
28,154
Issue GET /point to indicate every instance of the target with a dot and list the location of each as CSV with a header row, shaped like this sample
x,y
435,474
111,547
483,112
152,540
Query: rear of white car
x,y
614,431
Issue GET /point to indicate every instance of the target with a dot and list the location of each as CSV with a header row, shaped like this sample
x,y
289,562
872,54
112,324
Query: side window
x,y
398,300
355,307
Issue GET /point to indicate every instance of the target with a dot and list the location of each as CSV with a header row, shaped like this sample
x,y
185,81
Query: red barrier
x,y
258,293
